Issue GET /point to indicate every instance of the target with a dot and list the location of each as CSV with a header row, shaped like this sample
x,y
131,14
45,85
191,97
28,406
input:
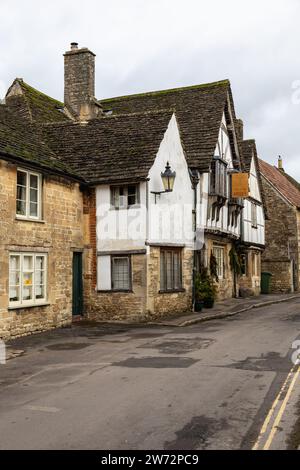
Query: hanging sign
x,y
239,185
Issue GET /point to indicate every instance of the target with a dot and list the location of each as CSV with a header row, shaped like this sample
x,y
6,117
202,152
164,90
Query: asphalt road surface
x,y
223,384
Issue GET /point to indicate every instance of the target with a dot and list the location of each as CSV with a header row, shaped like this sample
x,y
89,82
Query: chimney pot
x,y
74,46
280,166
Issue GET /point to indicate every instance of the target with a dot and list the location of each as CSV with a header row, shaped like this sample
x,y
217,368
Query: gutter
x,y
34,165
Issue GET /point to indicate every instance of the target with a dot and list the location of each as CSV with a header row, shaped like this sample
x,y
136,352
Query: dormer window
x,y
218,177
125,196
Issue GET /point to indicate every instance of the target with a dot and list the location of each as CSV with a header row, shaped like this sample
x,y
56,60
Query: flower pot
x,y
199,305
209,303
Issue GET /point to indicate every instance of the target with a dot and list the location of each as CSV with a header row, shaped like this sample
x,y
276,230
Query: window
x,y
123,197
244,265
218,177
254,215
255,264
121,272
28,203
27,279
170,270
218,253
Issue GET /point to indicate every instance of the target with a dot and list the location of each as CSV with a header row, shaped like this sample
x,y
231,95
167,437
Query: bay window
x,y
27,279
218,177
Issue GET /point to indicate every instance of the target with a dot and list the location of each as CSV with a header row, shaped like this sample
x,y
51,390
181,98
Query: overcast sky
x,y
144,45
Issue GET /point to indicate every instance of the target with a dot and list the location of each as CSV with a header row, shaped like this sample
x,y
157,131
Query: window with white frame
x,y
27,279
123,197
218,252
28,201
121,272
254,215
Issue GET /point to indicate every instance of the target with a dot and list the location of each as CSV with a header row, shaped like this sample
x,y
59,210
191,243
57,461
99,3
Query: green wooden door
x,y
77,304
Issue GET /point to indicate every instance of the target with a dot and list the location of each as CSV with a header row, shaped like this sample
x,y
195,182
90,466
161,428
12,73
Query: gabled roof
x,y
33,104
110,149
199,111
22,141
281,182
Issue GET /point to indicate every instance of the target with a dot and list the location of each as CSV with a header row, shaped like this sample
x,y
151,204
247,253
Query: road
x,y
207,386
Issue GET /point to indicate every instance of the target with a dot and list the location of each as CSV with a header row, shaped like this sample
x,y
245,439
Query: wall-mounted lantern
x,y
168,179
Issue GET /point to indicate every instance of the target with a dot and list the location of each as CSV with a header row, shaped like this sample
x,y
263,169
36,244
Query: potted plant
x,y
199,303
205,290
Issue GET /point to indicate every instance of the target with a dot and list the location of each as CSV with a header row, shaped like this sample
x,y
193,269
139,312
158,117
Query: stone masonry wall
x,y
250,280
281,240
110,305
164,304
225,286
58,235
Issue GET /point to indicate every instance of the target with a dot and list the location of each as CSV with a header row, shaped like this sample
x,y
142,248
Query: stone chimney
x,y
239,129
79,93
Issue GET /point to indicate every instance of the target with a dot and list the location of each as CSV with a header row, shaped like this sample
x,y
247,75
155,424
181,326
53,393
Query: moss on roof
x,y
41,107
167,91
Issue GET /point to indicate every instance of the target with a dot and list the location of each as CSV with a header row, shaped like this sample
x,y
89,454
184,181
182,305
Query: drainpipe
x,y
195,180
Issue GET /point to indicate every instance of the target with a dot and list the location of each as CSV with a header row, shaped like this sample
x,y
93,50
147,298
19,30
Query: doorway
x,y
77,287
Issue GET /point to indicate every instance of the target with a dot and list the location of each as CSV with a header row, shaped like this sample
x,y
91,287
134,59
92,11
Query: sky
x,y
145,45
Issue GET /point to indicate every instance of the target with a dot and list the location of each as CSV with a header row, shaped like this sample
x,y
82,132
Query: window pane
x,y
162,271
121,273
21,208
132,194
14,262
219,255
27,293
169,277
33,209
21,193
34,181
40,262
14,294
14,278
39,277
176,262
21,178
33,195
40,291
27,263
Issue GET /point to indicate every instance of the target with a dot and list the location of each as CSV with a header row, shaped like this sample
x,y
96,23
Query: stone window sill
x,y
24,307
25,219
112,291
173,291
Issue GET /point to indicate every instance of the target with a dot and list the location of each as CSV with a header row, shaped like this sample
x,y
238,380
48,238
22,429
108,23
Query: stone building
x,y
108,207
281,256
41,214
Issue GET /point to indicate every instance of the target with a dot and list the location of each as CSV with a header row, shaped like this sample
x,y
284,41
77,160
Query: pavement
x,y
228,383
226,308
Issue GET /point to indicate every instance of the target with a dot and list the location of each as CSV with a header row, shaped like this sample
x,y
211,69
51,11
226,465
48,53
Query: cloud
x,y
148,45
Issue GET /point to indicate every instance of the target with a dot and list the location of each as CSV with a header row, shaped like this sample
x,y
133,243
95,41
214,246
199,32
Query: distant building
x,y
281,256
